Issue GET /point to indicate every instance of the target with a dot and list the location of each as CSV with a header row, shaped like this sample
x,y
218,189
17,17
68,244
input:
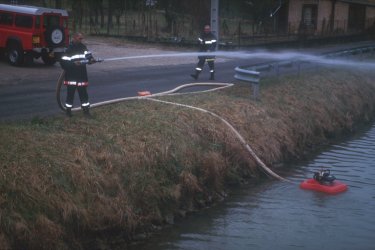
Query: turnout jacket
x,y
207,43
76,74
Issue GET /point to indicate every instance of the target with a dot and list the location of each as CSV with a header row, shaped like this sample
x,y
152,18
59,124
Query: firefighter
x,y
74,63
207,43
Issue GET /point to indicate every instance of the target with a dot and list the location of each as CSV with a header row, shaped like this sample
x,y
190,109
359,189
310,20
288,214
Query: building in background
x,y
330,17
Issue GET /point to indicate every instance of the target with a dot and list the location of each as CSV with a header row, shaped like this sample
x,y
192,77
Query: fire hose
x,y
262,165
60,81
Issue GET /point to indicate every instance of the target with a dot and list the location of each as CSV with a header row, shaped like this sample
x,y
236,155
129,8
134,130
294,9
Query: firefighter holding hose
x,y
207,43
74,63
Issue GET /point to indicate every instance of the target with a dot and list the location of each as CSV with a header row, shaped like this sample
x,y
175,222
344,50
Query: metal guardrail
x,y
354,51
252,74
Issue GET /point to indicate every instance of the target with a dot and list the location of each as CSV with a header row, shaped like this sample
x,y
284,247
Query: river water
x,y
280,215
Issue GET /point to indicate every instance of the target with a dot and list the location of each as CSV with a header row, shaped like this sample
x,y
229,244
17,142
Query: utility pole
x,y
215,18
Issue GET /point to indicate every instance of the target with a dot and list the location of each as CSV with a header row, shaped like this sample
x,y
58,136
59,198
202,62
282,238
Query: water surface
x,y
279,215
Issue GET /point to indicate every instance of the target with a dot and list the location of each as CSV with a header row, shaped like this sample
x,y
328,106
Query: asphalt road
x,y
35,96
29,92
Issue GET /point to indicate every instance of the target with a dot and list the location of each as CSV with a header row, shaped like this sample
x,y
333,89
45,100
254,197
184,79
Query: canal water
x,y
280,215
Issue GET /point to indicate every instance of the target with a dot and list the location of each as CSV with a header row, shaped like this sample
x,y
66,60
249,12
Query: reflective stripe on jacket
x,y
76,74
207,42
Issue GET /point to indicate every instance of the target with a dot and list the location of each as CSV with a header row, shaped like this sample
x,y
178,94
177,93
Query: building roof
x,y
32,10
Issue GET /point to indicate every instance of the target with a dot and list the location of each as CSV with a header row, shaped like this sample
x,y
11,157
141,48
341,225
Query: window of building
x,y
309,15
356,19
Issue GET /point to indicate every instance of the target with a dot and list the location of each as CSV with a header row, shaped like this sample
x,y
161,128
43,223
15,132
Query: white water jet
x,y
264,55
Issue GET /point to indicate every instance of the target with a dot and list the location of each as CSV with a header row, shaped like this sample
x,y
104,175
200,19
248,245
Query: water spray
x,y
259,54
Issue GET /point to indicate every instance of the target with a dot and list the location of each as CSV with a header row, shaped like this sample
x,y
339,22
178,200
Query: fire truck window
x,y
6,18
50,21
24,21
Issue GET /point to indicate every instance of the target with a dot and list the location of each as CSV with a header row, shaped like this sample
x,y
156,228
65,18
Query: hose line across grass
x,y
173,92
238,135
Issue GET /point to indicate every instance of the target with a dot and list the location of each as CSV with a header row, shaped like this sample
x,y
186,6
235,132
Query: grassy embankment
x,y
139,162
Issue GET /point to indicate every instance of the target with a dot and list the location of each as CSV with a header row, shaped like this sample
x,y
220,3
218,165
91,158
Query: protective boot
x,y
195,76
212,77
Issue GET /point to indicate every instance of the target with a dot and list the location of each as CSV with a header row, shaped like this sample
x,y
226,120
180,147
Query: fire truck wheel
x,y
15,54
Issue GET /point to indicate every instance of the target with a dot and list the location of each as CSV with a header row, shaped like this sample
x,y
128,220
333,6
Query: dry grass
x,y
135,163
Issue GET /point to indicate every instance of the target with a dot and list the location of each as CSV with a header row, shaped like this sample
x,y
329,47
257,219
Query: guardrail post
x,y
250,76
255,91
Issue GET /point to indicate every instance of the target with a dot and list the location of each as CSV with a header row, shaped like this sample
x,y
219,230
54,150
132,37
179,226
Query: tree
x,y
58,4
77,10
95,11
109,15
259,12
119,9
170,12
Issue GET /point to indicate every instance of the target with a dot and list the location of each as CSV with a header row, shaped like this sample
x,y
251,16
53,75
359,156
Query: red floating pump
x,y
324,182
333,188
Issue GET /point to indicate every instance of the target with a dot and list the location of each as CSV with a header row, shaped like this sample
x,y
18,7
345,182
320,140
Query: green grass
x,y
137,162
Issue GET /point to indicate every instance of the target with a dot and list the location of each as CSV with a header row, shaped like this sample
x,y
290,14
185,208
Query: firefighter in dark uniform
x,y
74,63
207,43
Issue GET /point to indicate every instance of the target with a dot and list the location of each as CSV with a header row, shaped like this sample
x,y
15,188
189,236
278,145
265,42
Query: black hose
x,y
60,81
